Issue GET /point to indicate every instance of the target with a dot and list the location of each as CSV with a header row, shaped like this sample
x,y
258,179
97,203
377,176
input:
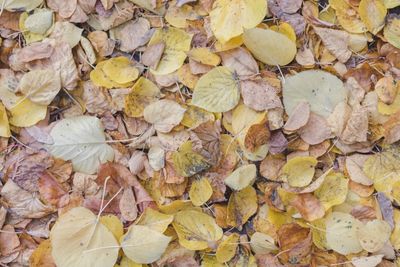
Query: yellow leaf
x,y
155,220
194,116
341,233
4,125
391,3
333,190
227,248
241,206
76,239
186,77
216,91
231,44
126,262
374,234
383,168
113,224
196,230
120,70
177,43
347,17
299,171
200,191
142,94
392,32
372,13
187,162
204,56
176,206
395,237
143,244
178,16
26,113
270,47
318,229
286,29
242,177
99,77
229,17
41,256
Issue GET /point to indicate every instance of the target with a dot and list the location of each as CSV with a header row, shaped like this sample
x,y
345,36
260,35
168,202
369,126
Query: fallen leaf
x,y
164,114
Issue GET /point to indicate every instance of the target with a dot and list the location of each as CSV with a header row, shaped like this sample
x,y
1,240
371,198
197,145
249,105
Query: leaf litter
x,y
199,133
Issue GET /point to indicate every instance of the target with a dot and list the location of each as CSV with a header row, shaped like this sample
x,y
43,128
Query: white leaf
x,y
81,140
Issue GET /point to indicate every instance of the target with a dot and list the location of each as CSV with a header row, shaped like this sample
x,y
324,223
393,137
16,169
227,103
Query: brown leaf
x,y
239,60
101,43
50,190
296,242
336,42
257,135
271,166
152,55
132,34
316,130
298,118
10,20
259,95
9,240
309,206
357,127
363,213
127,205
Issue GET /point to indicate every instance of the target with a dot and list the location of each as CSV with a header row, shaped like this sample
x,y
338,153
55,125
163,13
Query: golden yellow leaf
x,y
196,230
395,237
194,116
230,17
231,44
372,13
348,18
286,29
113,224
299,171
155,220
270,47
26,113
200,191
217,91
142,94
241,206
333,190
120,70
227,248
178,16
126,262
4,125
41,256
177,43
187,162
204,56
99,77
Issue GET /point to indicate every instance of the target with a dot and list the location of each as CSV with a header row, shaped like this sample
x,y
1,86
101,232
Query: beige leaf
x,y
152,55
127,205
336,42
132,34
164,114
357,127
40,86
354,166
101,43
240,60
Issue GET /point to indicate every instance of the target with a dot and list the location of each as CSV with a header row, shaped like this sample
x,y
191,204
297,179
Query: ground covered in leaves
x,y
199,133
